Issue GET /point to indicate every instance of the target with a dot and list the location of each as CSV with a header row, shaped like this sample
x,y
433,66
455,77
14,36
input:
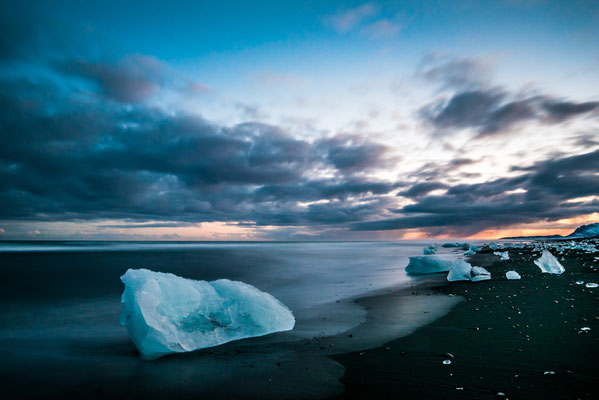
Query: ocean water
x,y
59,319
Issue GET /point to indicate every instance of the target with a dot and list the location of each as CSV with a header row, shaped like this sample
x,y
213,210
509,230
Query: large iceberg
x,y
165,313
549,264
429,265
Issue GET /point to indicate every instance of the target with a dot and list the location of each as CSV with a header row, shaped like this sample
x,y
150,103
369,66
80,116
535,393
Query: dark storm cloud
x,y
436,171
468,209
454,73
131,80
353,153
150,225
110,155
465,109
489,110
334,213
460,162
561,110
90,161
314,190
507,115
587,140
69,50
493,111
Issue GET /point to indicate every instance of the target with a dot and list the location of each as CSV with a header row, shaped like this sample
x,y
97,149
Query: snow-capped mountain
x,y
585,231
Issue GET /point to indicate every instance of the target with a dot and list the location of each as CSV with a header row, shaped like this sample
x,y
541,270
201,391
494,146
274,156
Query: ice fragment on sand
x,y
504,255
463,271
165,313
549,264
512,275
480,274
591,285
460,271
429,264
446,362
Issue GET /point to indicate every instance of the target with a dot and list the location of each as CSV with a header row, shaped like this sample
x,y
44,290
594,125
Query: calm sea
x,y
60,302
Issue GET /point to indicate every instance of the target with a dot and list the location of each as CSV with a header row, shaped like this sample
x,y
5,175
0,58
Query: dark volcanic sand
x,y
503,338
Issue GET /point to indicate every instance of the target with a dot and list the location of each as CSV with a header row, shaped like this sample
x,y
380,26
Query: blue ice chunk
x,y
165,313
549,264
460,271
512,275
463,271
429,265
479,274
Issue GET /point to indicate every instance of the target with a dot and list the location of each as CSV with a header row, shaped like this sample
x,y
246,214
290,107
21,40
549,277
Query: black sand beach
x,y
507,339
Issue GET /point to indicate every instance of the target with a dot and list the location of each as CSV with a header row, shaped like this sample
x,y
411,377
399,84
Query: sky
x,y
315,120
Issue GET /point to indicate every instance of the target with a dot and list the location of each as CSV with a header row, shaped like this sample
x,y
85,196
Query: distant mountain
x,y
534,237
590,230
584,231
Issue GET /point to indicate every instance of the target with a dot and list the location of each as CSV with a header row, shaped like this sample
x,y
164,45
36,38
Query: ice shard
x,y
549,264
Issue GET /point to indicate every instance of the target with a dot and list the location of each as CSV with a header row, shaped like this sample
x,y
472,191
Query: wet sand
x,y
277,366
507,339
77,349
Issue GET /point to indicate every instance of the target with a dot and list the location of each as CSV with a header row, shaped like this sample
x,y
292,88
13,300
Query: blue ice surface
x,y
165,313
549,264
429,264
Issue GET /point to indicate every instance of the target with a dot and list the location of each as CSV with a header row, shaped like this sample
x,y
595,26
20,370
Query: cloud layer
x,y
91,162
541,192
90,136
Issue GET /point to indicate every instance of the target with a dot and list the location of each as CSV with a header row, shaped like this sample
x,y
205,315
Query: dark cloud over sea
x,y
84,139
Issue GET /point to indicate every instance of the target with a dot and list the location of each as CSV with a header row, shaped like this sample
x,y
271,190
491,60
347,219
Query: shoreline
x,y
507,339
502,336
276,366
